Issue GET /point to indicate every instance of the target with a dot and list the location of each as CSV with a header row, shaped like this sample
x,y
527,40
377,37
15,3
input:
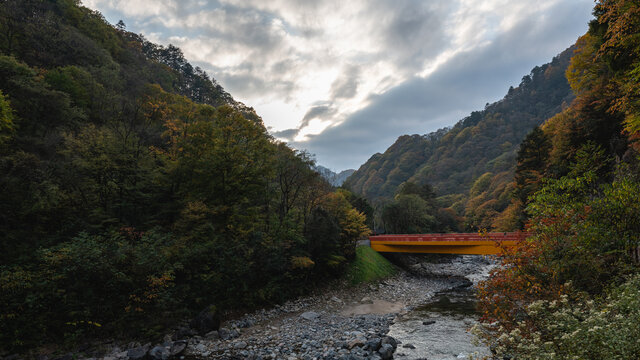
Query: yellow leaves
x,y
582,71
83,322
7,128
301,262
354,224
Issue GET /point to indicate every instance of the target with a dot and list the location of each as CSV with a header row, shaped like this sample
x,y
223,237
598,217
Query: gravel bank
x,y
337,322
341,322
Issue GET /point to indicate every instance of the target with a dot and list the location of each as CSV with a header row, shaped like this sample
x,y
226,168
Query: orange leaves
x,y
156,285
522,278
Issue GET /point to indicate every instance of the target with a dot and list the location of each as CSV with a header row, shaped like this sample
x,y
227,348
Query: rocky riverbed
x,y
336,322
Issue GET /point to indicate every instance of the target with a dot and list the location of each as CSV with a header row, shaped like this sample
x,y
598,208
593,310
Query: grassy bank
x,y
369,266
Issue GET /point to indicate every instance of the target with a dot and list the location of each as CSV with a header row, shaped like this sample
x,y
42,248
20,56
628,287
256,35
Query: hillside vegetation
x,y
570,291
137,192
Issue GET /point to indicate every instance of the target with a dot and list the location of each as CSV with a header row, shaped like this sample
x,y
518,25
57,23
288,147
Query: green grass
x,y
369,266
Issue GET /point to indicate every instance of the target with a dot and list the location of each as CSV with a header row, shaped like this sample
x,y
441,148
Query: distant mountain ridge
x,y
482,145
335,179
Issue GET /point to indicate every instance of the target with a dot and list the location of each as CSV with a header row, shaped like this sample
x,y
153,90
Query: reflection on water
x,y
438,330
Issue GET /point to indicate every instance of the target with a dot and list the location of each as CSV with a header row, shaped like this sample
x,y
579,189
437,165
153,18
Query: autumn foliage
x,y
581,191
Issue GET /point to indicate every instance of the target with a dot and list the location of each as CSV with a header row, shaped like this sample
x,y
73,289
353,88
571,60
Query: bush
x,y
562,329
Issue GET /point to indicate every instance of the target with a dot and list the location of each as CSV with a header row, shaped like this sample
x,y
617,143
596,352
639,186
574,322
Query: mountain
x,y
335,179
481,147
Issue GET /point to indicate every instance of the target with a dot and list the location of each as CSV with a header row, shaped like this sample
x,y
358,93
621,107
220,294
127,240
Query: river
x,y
438,328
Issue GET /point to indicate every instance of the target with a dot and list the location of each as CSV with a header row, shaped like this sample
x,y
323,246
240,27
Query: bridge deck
x,y
459,243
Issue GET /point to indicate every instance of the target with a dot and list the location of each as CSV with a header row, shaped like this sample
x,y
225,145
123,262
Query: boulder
x,y
240,345
159,353
309,315
138,353
357,342
178,347
373,344
386,351
212,335
390,341
226,334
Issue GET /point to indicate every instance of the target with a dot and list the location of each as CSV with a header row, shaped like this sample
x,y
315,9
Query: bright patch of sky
x,y
344,79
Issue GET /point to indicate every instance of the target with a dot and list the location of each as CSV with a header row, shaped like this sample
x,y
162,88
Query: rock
x,y
335,299
138,353
366,300
212,335
246,323
159,353
233,333
390,341
240,345
386,351
208,320
428,322
408,346
373,344
200,348
177,348
464,283
309,315
226,334
119,355
356,342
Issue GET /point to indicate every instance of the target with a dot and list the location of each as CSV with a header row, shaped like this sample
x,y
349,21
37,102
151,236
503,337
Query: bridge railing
x,y
493,236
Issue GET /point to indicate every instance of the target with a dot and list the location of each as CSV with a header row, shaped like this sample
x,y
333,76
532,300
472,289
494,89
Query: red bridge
x,y
455,243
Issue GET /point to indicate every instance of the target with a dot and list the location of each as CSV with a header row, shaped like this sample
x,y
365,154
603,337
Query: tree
x,y
7,127
532,159
294,172
225,162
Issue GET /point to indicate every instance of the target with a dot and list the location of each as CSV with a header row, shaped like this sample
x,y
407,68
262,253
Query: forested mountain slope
x,y
484,144
137,192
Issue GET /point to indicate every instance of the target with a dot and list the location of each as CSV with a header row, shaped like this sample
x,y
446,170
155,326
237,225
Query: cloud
x,y
348,77
287,135
463,84
317,112
346,85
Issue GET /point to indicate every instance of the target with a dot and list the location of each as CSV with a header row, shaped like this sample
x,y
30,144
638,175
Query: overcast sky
x,y
344,78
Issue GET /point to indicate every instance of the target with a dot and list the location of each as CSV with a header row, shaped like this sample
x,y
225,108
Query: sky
x,y
343,79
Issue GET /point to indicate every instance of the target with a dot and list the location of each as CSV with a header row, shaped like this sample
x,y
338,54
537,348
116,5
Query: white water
x,y
439,328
